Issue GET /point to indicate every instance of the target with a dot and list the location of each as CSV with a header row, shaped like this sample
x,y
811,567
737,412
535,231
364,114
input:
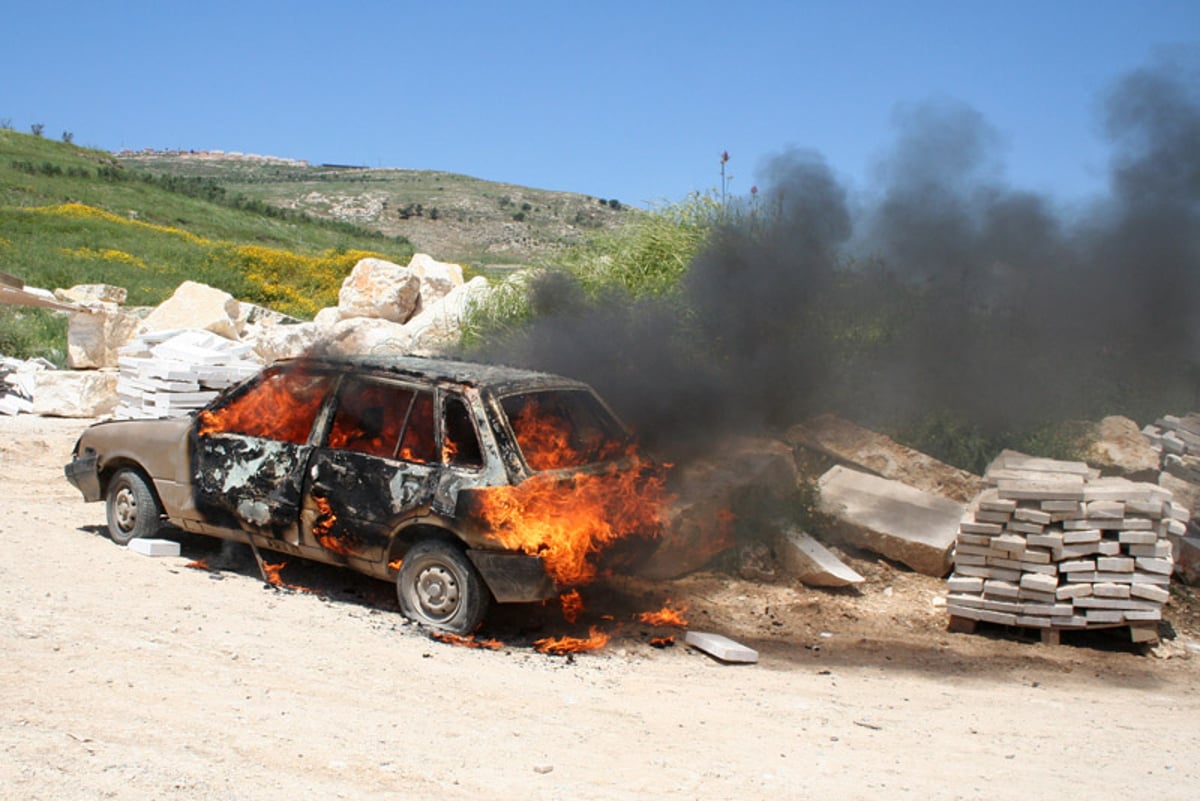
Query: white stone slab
x,y
720,647
154,547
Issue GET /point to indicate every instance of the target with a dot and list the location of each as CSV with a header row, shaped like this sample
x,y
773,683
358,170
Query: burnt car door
x,y
250,450
378,464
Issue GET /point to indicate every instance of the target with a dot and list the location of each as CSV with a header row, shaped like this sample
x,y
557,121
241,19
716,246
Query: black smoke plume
x,y
948,293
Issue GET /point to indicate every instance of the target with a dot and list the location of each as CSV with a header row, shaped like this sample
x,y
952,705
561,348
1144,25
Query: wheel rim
x,y
437,591
125,508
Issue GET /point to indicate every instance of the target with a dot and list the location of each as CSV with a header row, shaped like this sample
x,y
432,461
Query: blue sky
x,y
627,100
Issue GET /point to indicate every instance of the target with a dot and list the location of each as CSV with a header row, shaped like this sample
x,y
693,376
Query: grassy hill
x,y
71,215
452,217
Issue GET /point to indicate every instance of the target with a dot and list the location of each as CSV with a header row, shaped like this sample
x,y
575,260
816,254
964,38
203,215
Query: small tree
x,y
68,137
6,123
37,128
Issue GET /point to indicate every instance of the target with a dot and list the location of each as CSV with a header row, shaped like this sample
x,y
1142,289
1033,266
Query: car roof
x,y
498,378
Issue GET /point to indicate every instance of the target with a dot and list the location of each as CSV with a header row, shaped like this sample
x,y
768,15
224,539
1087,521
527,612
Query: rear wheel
x,y
438,586
131,507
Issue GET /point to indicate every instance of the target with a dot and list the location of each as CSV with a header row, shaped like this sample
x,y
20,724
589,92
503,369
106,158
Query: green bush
x,y
26,333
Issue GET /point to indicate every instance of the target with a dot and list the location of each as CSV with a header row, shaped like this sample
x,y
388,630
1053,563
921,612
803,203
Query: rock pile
x,y
384,309
1178,440
1052,545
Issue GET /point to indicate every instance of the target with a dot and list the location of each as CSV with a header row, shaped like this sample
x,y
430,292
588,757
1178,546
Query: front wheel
x,y
438,586
132,509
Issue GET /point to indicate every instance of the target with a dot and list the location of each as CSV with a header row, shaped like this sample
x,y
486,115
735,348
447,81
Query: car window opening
x,y
460,441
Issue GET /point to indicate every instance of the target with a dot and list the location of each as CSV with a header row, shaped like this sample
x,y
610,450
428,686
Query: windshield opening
x,y
556,429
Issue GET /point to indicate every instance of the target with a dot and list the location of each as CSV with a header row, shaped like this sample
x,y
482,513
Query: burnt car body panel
x,y
379,457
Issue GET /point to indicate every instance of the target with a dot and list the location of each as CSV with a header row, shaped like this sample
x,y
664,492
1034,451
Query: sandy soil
x,y
131,677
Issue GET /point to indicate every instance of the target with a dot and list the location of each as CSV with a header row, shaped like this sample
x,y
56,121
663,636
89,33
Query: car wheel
x,y
438,586
132,508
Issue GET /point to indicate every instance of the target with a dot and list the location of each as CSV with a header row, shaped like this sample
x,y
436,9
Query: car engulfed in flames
x,y
465,484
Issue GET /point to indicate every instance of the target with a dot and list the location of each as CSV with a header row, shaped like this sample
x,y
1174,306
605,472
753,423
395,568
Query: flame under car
x,y
457,481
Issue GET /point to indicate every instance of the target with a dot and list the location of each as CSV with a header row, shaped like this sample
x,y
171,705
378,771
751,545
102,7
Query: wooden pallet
x,y
1139,632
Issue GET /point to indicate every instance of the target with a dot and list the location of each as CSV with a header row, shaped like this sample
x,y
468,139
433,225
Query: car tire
x,y
439,587
132,509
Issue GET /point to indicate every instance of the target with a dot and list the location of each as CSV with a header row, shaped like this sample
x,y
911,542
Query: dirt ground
x,y
132,677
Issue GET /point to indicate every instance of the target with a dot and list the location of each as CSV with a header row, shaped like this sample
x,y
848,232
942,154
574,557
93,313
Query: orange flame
x,y
466,642
198,564
273,571
281,405
395,564
667,616
568,518
558,646
662,642
323,526
572,605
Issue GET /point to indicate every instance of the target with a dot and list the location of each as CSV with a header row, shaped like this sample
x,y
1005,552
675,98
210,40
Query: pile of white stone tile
x,y
1052,545
174,373
1178,440
16,384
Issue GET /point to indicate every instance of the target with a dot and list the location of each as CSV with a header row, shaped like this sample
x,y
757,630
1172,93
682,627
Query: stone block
x,y
1149,565
379,289
1078,536
720,647
911,526
1108,589
1067,591
96,334
1039,582
1149,592
197,306
1037,516
1115,564
967,584
1127,537
69,393
1118,447
154,547
812,563
1000,589
1187,560
877,454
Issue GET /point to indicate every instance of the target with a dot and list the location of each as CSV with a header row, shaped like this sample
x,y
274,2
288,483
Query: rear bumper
x,y
82,474
513,577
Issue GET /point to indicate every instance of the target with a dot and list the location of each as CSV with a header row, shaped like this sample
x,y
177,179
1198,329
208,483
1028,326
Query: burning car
x,y
462,483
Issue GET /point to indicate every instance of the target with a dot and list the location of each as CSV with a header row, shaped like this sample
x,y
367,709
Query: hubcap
x,y
437,591
125,508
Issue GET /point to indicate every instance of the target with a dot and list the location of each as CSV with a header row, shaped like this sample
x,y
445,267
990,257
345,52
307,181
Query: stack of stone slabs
x,y
174,373
1052,545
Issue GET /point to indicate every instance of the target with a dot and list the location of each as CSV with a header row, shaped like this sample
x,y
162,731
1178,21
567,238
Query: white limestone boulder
x,y
366,336
96,334
74,393
197,306
275,342
379,289
438,279
440,324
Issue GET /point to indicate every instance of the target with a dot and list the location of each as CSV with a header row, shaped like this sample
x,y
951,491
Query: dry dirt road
x,y
131,677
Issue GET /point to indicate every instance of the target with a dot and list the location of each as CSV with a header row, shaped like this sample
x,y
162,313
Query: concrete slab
x,y
154,547
812,563
720,647
902,523
878,454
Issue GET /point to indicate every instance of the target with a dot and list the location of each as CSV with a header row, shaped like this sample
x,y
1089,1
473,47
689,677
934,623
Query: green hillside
x,y
452,217
72,215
